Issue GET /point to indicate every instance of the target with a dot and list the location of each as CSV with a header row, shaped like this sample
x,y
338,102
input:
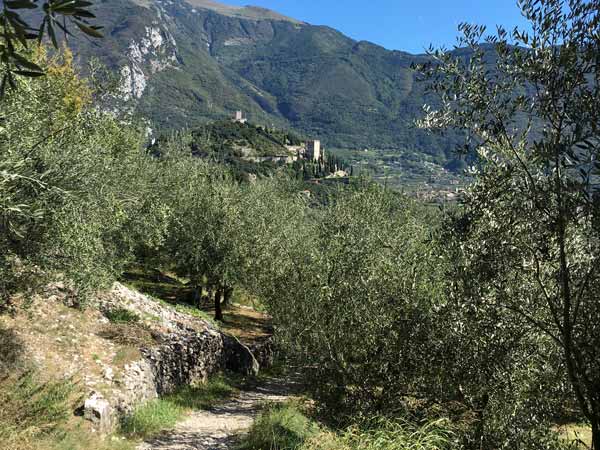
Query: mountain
x,y
185,62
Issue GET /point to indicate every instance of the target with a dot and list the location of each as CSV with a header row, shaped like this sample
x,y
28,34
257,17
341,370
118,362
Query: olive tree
x,y
203,237
78,196
529,101
353,298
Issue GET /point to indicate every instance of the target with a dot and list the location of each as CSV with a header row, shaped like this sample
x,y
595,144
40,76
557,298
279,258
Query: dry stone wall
x,y
188,350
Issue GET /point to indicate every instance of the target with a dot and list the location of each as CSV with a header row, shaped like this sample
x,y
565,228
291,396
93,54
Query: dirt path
x,y
217,428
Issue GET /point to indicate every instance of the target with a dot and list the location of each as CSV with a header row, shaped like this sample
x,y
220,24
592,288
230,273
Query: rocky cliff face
x,y
154,52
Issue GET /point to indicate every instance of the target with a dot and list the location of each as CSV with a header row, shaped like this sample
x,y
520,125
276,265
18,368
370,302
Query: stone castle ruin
x,y
313,150
239,117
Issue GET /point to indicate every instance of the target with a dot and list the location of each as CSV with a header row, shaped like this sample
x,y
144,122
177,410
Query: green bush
x,y
280,427
121,315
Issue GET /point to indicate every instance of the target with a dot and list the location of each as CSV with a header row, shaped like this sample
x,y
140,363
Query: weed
x,y
161,414
151,418
280,427
286,427
204,396
31,409
121,315
380,434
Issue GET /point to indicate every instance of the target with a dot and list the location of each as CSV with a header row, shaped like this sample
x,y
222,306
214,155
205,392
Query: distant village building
x,y
313,150
239,117
297,151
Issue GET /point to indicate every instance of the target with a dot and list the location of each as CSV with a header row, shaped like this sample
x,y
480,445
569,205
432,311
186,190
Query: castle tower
x,y
313,150
239,117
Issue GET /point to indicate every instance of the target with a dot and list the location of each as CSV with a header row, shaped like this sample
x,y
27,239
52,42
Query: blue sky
x,y
409,25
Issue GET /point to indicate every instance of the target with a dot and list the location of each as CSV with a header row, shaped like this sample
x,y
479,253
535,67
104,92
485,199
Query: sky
x,y
408,25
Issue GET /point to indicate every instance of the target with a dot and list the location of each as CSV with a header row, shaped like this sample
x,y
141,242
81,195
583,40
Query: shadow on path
x,y
218,427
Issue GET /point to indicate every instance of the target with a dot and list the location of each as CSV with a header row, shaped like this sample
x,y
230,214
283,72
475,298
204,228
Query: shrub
x,y
280,427
121,315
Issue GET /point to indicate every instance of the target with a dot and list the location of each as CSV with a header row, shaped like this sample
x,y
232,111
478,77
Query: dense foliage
x,y
483,318
529,238
359,306
18,32
69,200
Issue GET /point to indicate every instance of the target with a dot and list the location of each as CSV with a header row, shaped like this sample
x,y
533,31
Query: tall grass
x,y
203,396
151,418
279,427
30,409
37,415
285,427
385,434
161,414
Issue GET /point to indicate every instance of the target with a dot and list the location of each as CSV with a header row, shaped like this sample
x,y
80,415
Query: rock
x,y
264,352
239,358
108,373
97,410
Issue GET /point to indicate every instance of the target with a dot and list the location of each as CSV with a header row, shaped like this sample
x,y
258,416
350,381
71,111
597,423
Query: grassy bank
x,y
289,427
38,415
161,414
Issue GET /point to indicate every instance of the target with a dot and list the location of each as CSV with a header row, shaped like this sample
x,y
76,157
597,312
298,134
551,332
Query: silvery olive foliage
x,y
202,240
78,195
20,31
351,298
530,102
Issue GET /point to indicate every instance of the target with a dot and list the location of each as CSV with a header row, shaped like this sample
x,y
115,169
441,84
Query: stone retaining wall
x,y
189,351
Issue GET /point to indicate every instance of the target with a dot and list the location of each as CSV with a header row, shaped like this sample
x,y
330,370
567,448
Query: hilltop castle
x,y
239,117
313,150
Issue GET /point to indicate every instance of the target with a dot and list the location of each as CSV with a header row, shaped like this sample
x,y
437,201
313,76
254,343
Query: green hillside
x,y
212,60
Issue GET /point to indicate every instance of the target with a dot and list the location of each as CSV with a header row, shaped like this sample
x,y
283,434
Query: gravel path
x,y
217,428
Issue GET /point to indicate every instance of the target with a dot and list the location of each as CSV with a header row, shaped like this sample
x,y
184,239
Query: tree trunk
x,y
596,434
197,296
481,405
228,291
218,309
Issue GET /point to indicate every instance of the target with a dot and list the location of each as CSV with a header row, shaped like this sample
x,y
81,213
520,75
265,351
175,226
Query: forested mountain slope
x,y
185,62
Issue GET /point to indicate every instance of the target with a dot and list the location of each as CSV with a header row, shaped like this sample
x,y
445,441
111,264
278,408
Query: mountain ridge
x,y
186,62
246,12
